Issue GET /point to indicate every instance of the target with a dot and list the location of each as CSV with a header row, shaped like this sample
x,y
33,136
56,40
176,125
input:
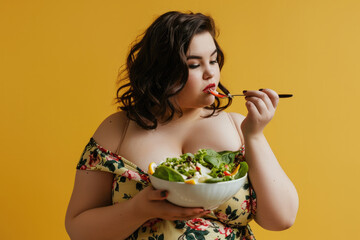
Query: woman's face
x,y
203,70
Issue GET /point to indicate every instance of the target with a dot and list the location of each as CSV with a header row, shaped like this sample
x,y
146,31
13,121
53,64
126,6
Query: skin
x,y
203,70
91,213
270,182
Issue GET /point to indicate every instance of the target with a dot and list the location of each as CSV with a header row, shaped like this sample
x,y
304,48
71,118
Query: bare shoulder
x,y
93,189
110,131
237,117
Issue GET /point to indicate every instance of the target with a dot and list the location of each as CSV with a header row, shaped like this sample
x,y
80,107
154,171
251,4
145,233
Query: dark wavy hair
x,y
156,68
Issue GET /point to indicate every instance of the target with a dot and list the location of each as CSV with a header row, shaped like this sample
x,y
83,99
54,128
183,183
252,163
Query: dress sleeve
x,y
94,157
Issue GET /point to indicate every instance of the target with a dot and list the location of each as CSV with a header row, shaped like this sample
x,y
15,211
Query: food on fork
x,y
216,94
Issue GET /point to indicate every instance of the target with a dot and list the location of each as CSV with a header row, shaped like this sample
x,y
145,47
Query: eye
x,y
213,62
192,66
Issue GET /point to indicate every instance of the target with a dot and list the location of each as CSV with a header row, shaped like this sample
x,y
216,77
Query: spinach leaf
x,y
242,171
168,174
212,160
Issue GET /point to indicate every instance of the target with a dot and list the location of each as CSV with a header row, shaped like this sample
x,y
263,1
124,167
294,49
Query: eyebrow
x,y
199,57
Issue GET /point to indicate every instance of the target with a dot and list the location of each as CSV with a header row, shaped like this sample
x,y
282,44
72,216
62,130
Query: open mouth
x,y
210,87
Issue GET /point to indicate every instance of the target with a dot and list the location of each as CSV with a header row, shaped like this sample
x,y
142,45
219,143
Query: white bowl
x,y
206,195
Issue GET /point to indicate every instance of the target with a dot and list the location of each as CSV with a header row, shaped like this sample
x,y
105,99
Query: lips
x,y
211,86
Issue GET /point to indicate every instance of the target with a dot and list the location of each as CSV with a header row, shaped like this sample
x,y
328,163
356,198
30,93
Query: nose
x,y
208,73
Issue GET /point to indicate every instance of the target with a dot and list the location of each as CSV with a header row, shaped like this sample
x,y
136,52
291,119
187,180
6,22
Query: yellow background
x,y
59,61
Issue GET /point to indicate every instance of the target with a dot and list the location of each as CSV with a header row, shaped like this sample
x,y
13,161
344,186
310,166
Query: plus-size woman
x,y
165,110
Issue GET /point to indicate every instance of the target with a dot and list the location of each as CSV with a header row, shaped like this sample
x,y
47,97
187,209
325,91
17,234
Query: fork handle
x,y
280,95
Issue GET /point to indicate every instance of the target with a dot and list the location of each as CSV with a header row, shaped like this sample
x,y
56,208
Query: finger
x,y
259,104
273,96
167,210
154,194
251,107
202,214
263,96
252,110
177,212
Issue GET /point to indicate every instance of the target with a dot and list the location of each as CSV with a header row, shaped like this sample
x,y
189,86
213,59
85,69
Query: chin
x,y
209,100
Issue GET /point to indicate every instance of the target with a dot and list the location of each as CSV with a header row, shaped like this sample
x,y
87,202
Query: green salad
x,y
205,166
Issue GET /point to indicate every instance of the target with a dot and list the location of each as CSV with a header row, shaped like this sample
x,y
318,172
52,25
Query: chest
x,y
144,147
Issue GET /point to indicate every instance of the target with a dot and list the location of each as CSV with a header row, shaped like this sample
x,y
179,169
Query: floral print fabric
x,y
229,221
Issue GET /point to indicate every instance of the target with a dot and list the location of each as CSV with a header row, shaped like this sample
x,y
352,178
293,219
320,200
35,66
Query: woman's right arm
x,y
91,215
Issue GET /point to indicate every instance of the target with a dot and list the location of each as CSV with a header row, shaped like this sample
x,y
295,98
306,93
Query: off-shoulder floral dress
x,y
229,221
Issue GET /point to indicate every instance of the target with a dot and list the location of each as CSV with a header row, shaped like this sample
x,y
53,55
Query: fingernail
x,y
163,193
261,89
244,91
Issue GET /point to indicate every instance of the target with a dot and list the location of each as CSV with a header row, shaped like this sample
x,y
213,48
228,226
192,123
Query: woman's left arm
x,y
277,198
